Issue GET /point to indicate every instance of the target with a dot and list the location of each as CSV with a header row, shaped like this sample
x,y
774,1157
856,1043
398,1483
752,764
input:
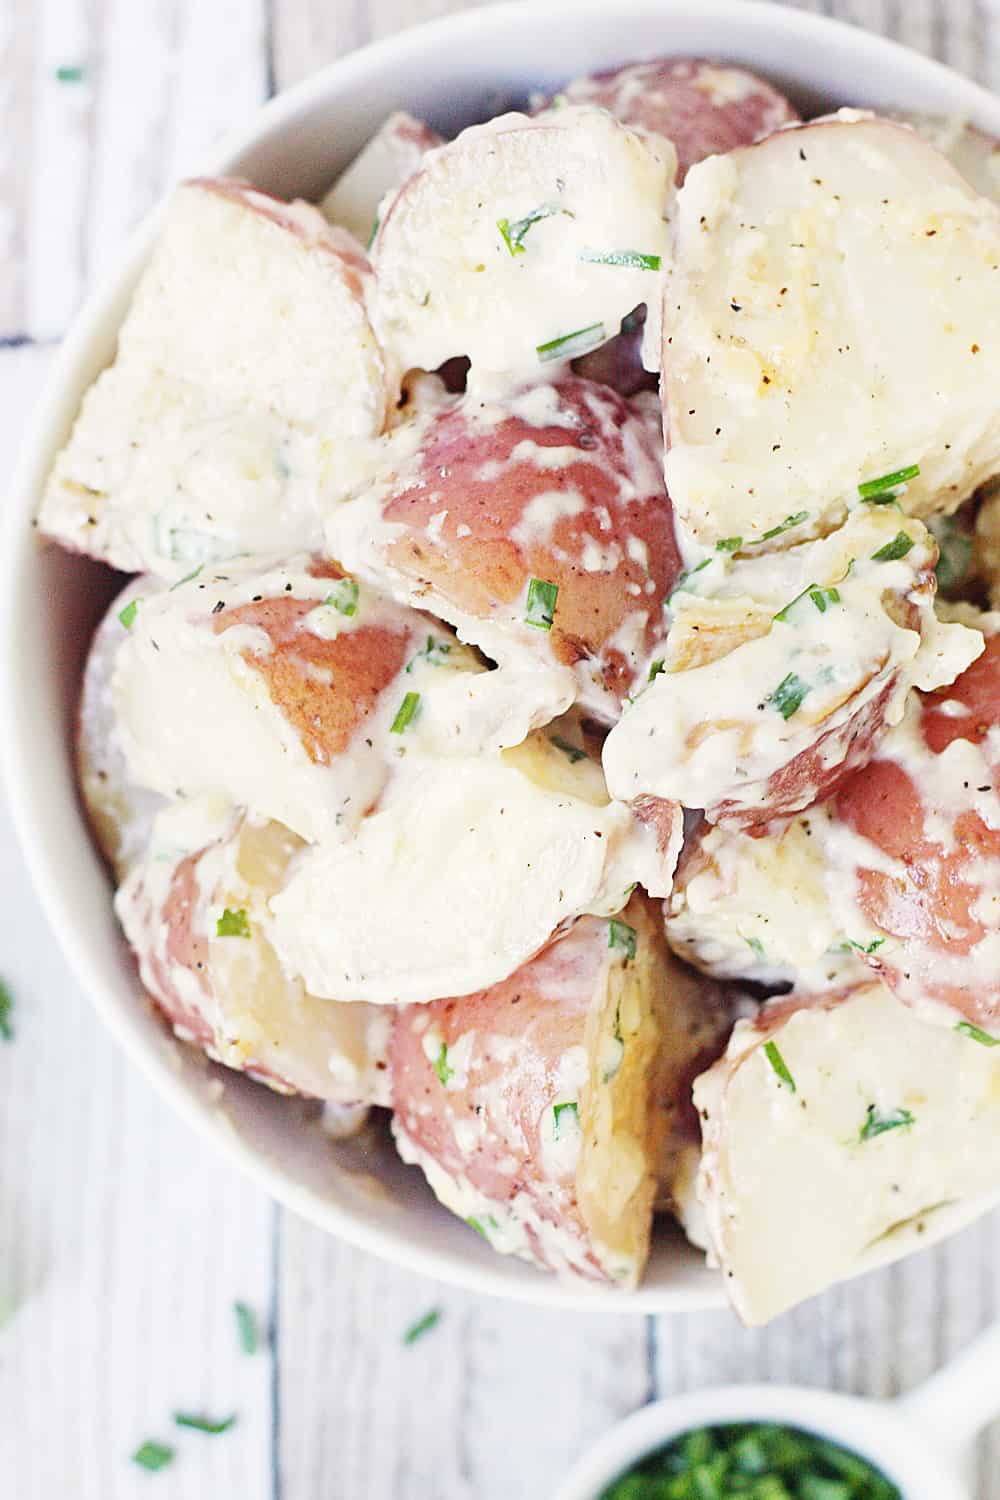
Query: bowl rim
x,y
37,832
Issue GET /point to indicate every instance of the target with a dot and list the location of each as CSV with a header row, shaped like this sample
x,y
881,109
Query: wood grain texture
x,y
122,1243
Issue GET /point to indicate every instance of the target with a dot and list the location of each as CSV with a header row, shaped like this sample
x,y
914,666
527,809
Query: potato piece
x,y
306,673
393,154
121,812
245,360
887,1134
972,151
499,247
474,863
701,107
536,522
759,729
799,264
540,1109
195,910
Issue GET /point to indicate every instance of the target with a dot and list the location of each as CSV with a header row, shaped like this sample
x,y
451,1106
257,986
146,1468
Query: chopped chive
x,y
632,259
246,1327
558,1110
729,544
877,1124
780,1067
540,609
894,550
406,713
153,1456
656,668
434,653
188,578
477,1226
376,225
977,1035
128,614
756,946
788,695
70,74
571,751
873,487
571,345
685,577
204,1424
422,1325
513,233
440,1065
622,937
821,598
233,923
866,948
344,596
6,1011
785,525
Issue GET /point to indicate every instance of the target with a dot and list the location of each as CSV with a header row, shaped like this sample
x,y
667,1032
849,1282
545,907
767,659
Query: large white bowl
x,y
450,72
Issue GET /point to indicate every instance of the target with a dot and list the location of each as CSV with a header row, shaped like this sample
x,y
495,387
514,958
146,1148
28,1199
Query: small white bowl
x,y
450,72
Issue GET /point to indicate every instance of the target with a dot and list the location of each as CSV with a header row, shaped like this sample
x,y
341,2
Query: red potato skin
x,y
930,907
184,948
673,97
618,363
541,1009
485,572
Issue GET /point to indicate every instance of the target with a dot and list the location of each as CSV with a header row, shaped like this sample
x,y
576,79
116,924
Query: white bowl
x,y
450,72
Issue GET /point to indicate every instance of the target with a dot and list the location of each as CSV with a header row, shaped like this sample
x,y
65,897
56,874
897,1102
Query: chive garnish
x,y
866,948
877,1124
344,596
656,668
233,923
685,578
756,946
788,695
874,487
729,544
572,752
622,937
977,1035
69,74
128,614
821,598
153,1456
894,550
779,1066
785,525
433,653
246,1327
571,345
204,1424
422,1325
406,713
477,1226
440,1065
558,1110
513,233
632,259
376,225
188,578
540,609
6,1011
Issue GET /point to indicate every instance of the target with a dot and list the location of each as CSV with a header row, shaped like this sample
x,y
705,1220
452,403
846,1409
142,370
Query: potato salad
x,y
554,711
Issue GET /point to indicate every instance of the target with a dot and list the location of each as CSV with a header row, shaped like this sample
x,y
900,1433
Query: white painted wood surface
x,y
123,1245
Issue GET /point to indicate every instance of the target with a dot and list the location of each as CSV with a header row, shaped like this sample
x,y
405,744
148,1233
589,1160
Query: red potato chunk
x,y
305,670
618,363
702,107
393,154
541,1110
922,866
245,363
199,925
560,483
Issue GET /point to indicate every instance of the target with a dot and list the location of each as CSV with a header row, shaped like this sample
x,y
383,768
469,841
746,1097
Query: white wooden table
x,y
124,1242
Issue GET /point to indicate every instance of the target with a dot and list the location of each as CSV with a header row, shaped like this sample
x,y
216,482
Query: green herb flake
x,y
779,1066
873,488
233,923
246,1327
877,1124
984,1039
820,597
128,614
204,1424
894,550
6,1011
376,226
188,578
344,596
422,1325
476,1224
441,1068
633,260
572,752
788,695
782,526
513,233
622,937
558,1110
153,1456
685,577
73,73
729,544
540,610
866,948
756,946
572,345
435,653
407,711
